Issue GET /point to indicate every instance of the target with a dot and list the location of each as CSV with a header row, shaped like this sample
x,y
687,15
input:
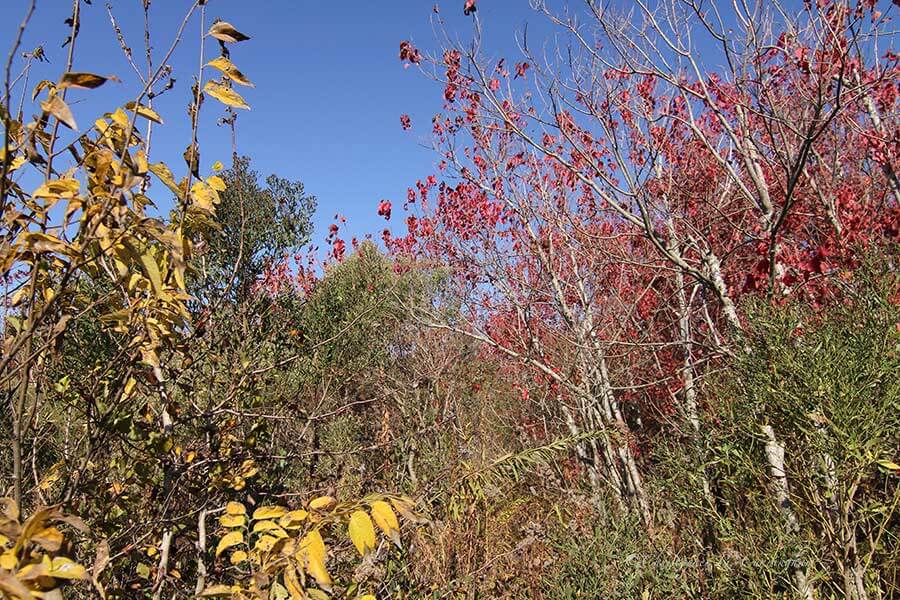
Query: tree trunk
x,y
781,490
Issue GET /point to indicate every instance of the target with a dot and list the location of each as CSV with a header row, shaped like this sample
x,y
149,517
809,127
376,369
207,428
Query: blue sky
x,y
329,86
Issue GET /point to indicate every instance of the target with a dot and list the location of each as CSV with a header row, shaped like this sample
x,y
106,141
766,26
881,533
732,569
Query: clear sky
x,y
329,92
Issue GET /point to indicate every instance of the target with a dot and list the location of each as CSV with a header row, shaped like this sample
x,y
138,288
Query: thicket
x,y
641,341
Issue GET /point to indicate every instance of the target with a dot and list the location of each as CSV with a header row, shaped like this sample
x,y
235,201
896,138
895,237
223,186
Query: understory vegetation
x,y
637,336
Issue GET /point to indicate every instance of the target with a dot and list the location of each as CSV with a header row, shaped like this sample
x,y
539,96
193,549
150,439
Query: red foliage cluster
x,y
635,221
409,53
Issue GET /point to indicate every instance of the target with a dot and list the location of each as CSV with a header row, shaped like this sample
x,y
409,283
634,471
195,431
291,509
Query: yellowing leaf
x,y
889,465
216,183
58,188
151,270
322,503
8,560
315,594
165,175
361,531
227,33
225,95
316,568
43,243
16,163
129,387
312,545
386,520
218,166
367,597
232,520
235,508
268,512
119,118
293,519
220,590
265,543
238,557
59,109
292,583
268,526
230,71
33,571
65,568
204,196
49,539
230,539
144,111
86,81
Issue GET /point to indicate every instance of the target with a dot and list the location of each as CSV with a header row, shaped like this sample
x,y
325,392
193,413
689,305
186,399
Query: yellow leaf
x,y
119,118
292,583
220,590
16,163
238,557
322,503
204,196
230,71
889,465
227,33
50,539
265,543
367,597
268,512
361,531
43,243
218,166
58,188
312,545
225,95
129,387
86,81
316,568
268,526
65,568
33,571
165,175
151,270
232,520
231,539
235,508
293,519
8,560
216,183
248,468
386,520
144,111
59,109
